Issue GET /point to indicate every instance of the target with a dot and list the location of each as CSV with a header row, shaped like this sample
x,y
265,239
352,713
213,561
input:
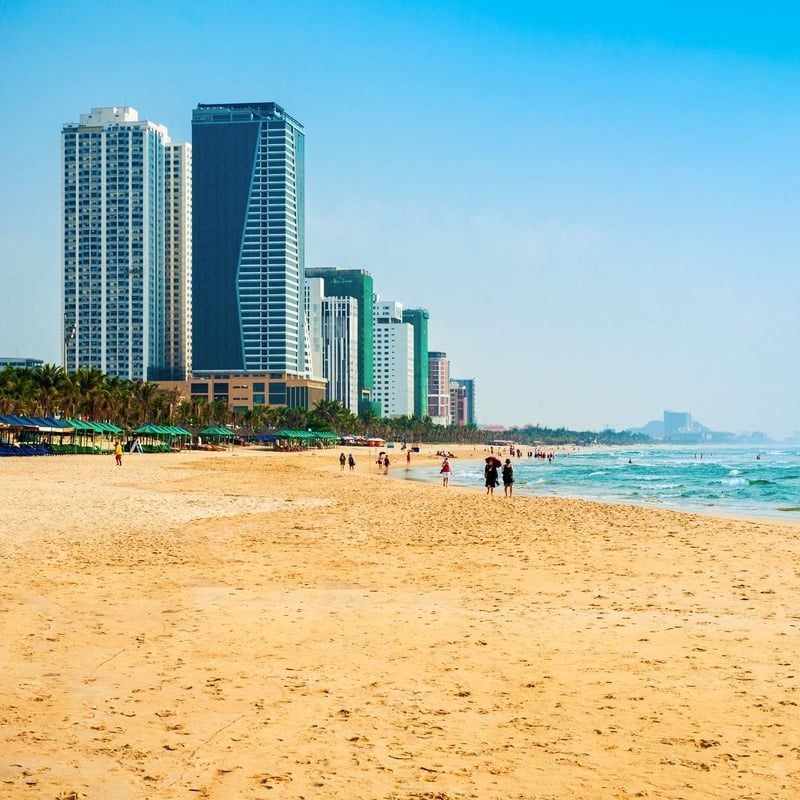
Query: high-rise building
x,y
333,342
393,360
314,294
114,189
355,283
676,423
178,259
439,388
468,386
458,403
340,354
248,237
418,319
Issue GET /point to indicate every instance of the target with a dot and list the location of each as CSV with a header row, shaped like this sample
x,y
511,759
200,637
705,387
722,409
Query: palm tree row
x,y
48,391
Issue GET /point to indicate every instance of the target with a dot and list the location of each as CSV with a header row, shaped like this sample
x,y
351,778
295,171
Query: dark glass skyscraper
x,y
247,239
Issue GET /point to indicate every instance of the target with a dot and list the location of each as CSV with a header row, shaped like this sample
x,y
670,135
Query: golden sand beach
x,y
262,625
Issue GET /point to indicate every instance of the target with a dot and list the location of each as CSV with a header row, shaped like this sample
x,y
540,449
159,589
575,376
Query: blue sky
x,y
597,202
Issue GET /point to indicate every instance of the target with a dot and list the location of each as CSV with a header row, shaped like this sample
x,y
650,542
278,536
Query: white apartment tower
x,y
313,295
393,360
439,388
116,196
178,259
332,342
340,362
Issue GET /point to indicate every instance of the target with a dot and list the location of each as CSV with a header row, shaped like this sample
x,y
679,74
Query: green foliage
x,y
535,434
49,391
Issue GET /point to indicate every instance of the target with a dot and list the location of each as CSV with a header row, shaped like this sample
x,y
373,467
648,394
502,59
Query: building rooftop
x,y
241,112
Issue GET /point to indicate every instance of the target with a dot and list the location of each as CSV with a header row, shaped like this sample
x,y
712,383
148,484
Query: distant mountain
x,y
654,429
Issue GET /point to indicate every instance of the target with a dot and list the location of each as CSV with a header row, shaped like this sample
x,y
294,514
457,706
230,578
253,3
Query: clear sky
x,y
597,202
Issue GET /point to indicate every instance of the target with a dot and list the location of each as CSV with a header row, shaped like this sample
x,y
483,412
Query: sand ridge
x,y
263,625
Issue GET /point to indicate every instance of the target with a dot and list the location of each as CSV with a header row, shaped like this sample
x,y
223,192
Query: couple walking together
x,y
492,477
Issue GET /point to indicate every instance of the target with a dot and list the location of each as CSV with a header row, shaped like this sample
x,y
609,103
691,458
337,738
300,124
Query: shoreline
x,y
260,624
418,474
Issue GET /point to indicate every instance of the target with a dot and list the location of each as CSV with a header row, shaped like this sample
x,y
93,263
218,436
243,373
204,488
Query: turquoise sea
x,y
734,480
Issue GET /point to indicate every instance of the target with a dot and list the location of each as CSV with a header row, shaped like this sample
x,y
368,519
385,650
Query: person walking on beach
x,y
508,478
490,473
118,453
351,462
386,464
342,461
446,470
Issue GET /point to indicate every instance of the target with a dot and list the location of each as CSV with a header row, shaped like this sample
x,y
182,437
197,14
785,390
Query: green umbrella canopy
x,y
161,430
288,434
216,431
94,427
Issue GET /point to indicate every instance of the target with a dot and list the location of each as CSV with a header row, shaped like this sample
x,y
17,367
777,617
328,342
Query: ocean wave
x,y
759,482
734,482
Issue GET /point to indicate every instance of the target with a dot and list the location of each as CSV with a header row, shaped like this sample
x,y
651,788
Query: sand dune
x,y
263,625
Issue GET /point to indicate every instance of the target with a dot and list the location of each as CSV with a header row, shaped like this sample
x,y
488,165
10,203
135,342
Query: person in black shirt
x,y
508,478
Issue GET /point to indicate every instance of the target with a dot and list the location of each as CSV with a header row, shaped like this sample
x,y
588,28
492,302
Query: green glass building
x,y
418,319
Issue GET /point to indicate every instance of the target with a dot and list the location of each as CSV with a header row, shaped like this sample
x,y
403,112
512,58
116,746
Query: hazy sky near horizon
x,y
597,202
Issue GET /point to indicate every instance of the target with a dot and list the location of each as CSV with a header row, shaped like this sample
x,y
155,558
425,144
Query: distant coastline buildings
x,y
20,362
184,264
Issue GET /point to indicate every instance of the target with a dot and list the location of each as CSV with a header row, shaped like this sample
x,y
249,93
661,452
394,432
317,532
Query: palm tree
x,y
12,388
50,382
169,404
218,413
188,411
117,393
89,383
145,395
331,415
295,418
